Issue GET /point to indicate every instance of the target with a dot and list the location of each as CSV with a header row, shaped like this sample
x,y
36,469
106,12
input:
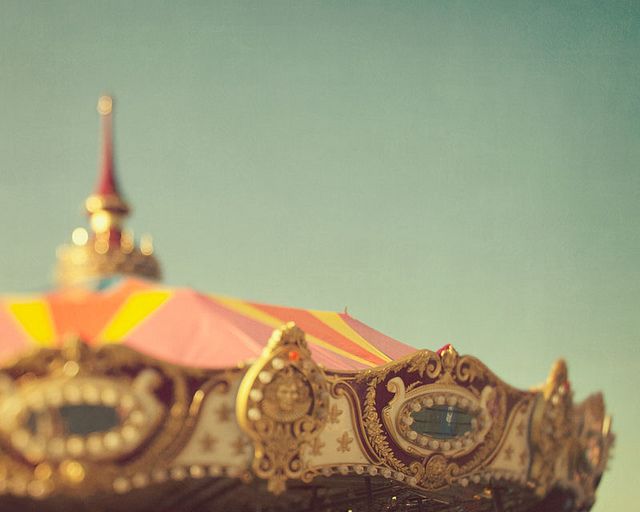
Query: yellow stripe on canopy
x,y
248,310
35,318
136,308
334,321
239,306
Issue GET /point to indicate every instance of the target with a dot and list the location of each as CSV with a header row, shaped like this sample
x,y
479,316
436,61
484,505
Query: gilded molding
x,y
97,259
282,405
436,377
150,407
570,444
293,421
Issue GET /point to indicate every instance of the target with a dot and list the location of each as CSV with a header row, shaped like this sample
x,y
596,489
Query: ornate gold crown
x,y
108,250
434,431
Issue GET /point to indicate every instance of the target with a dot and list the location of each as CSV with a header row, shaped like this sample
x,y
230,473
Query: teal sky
x,y
462,172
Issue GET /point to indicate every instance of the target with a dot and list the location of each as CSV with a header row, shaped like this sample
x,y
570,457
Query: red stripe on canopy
x,y
393,348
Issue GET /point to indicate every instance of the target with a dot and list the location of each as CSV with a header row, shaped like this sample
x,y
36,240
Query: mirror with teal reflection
x,y
441,421
73,420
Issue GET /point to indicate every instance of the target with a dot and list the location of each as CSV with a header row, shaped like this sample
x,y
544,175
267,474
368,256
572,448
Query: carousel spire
x,y
108,249
107,184
106,207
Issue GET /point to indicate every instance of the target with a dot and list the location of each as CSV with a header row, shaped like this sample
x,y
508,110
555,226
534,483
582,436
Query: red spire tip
x,y
107,184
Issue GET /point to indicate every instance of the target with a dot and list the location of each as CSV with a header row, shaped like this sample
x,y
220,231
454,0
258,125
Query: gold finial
x,y
80,236
107,249
105,105
146,244
127,242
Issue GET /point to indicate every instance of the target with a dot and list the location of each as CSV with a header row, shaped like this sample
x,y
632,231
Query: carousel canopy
x,y
108,294
183,326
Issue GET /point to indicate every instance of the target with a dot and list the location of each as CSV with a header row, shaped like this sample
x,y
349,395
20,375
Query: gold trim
x,y
282,405
71,375
447,370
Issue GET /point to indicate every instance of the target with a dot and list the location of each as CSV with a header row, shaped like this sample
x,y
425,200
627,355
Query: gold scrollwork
x,y
591,447
282,405
397,416
446,370
552,428
152,410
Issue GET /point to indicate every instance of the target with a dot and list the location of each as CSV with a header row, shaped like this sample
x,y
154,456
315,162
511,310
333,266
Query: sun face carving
x,y
287,397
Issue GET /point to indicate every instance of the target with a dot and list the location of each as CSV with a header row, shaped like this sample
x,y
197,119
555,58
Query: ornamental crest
x,y
435,417
282,405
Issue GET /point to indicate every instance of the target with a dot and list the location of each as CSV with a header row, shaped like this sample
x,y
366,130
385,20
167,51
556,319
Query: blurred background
x,y
463,172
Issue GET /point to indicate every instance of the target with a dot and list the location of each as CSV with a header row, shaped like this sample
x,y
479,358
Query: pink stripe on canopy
x,y
189,331
192,330
13,340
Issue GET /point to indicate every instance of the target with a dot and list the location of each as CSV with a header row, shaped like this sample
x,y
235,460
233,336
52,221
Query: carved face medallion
x,y
282,406
287,398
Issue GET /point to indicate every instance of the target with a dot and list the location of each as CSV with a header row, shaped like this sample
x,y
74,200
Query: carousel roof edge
x,y
156,319
74,347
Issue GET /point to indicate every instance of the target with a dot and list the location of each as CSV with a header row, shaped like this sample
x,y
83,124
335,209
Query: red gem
x,y
294,355
443,349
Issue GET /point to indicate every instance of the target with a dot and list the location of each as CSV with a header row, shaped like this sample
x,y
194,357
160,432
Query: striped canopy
x,y
184,327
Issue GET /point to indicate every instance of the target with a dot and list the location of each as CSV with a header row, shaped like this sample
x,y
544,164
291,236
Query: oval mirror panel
x,y
441,422
87,419
71,420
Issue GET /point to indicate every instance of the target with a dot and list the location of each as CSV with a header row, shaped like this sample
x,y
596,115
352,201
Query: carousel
x,y
120,394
